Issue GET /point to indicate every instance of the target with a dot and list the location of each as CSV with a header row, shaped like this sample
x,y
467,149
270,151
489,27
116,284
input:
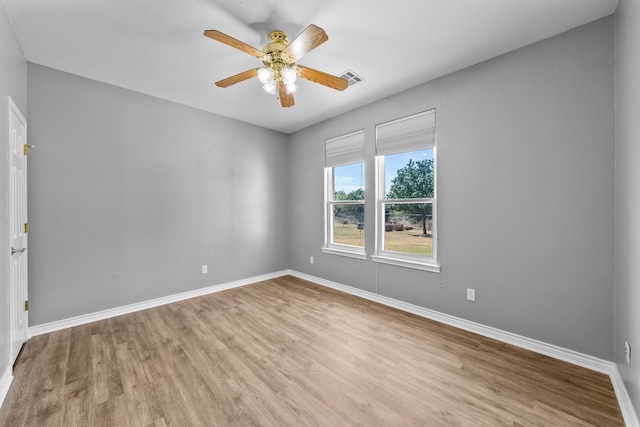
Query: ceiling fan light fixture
x,y
270,87
289,75
265,75
291,87
280,70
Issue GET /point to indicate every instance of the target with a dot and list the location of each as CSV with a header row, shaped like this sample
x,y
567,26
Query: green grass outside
x,y
406,241
348,234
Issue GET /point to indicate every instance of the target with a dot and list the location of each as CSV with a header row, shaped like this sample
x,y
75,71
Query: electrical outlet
x,y
471,294
204,269
310,260
627,352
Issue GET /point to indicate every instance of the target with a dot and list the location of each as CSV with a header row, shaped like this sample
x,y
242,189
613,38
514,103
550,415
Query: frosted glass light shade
x,y
289,75
270,87
265,75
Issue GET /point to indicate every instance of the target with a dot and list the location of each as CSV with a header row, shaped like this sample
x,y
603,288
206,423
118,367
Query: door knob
x,y
13,250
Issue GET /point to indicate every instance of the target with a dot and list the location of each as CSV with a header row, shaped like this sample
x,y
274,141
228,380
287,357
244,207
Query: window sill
x,y
425,266
344,252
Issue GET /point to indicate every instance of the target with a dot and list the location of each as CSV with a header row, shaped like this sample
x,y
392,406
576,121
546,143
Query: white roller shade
x,y
407,134
345,149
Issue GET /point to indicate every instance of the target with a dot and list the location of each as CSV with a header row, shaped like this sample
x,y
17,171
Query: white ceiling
x,y
157,47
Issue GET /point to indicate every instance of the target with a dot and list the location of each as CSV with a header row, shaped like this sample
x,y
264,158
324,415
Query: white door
x,y
18,229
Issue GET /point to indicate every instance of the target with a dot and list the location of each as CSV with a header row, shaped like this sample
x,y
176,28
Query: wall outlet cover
x,y
627,352
471,294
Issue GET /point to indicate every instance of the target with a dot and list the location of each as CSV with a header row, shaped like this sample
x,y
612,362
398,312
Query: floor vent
x,y
351,77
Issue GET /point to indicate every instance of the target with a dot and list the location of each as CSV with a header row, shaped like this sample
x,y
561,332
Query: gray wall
x,y
13,82
130,195
526,193
627,283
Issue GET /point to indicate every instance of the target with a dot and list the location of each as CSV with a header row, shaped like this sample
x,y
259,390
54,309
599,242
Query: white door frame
x,y
18,270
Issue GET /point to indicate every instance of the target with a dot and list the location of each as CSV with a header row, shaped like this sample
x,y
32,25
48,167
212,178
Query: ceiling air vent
x,y
351,77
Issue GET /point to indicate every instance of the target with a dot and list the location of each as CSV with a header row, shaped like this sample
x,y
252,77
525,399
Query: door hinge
x,y
26,228
25,149
26,305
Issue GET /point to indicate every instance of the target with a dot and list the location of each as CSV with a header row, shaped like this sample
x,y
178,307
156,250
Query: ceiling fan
x,y
279,57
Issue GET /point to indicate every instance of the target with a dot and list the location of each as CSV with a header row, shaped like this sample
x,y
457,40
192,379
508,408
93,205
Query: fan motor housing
x,y
279,42
275,58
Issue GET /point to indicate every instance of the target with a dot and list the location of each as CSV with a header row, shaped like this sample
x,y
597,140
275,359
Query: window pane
x,y
409,175
348,225
348,182
408,228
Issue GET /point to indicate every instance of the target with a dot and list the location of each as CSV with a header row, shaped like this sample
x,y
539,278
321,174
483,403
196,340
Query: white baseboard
x,y
624,400
118,311
574,357
5,383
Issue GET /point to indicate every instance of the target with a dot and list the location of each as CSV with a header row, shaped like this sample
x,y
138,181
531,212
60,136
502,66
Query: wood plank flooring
x,y
286,352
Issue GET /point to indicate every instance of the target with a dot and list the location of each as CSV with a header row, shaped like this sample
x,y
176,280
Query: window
x,y
406,192
344,195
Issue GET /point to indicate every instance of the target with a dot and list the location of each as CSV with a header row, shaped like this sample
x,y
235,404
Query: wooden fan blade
x,y
309,39
322,78
286,99
230,41
240,77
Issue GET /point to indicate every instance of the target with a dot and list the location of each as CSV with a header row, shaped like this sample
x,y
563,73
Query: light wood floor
x,y
286,352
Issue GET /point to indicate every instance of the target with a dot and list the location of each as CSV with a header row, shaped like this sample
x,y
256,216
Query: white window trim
x,y
347,251
395,258
401,262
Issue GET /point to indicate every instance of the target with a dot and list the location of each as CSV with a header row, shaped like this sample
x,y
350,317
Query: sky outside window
x,y
348,178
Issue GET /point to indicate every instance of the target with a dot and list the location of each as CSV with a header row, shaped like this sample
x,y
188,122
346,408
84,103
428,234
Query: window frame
x,y
330,202
427,263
